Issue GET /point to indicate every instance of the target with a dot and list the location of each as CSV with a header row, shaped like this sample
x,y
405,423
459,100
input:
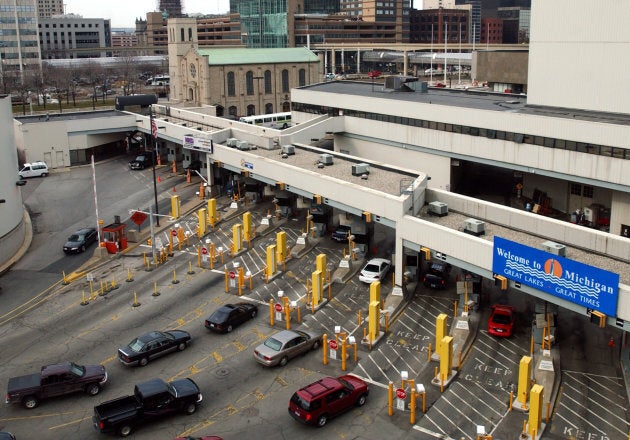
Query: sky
x,y
123,13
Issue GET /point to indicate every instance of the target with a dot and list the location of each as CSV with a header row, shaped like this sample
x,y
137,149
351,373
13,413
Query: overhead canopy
x,y
141,100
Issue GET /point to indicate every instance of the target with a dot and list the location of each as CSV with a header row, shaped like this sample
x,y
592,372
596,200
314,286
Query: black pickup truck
x,y
55,380
151,400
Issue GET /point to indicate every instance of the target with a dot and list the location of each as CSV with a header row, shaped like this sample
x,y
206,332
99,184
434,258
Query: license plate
x,y
212,325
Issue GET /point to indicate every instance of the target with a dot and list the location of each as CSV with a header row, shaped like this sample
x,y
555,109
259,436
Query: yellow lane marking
x,y
217,356
74,422
41,416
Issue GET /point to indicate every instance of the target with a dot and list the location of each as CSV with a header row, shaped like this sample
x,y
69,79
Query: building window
x,y
181,34
587,191
251,110
268,108
268,82
576,189
302,77
232,110
231,88
285,81
249,82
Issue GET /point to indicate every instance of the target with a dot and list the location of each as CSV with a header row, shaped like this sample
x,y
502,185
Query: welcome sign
x,y
579,283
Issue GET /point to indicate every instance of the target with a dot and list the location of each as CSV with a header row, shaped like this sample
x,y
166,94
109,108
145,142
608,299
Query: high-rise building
x,y
170,8
20,44
48,8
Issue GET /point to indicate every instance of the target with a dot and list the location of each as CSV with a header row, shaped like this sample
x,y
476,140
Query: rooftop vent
x,y
231,142
288,150
360,169
326,159
242,145
474,227
438,208
554,248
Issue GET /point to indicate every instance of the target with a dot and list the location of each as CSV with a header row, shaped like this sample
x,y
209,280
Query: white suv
x,y
34,169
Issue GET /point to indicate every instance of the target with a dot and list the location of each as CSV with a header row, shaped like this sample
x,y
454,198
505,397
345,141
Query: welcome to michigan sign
x,y
579,283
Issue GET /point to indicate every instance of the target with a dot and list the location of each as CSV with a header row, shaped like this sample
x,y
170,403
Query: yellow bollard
x,y
459,361
84,302
455,309
113,285
412,406
299,319
343,353
135,300
190,269
175,280
430,348
511,399
325,348
129,276
271,311
64,279
155,291
390,399
359,321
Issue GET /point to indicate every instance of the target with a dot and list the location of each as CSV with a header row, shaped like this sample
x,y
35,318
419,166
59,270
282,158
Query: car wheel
x,y
30,402
82,248
316,345
125,430
361,400
93,389
229,328
284,361
143,362
44,174
190,408
254,312
323,419
181,346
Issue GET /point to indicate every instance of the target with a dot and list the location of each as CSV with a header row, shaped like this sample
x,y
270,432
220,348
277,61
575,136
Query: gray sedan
x,y
285,345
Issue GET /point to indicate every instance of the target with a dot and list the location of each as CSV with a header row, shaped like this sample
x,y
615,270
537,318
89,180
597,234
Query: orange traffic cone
x,y
159,179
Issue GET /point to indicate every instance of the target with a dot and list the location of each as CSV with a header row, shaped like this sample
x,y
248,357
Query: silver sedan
x,y
285,345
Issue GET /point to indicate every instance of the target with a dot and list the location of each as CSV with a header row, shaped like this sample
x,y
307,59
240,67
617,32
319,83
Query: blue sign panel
x,y
579,283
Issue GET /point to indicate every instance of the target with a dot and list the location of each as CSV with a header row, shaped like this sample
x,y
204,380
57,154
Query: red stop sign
x,y
278,307
174,233
232,274
400,393
204,250
333,344
138,217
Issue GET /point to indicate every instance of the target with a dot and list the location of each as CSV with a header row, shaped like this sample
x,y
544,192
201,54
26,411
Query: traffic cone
x,y
159,179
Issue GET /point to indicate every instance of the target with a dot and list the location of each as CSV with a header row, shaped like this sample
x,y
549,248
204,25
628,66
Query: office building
x,y
48,8
72,36
19,51
170,8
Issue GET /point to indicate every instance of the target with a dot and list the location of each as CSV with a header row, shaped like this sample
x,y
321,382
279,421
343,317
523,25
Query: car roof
x,y
324,385
378,261
503,309
149,336
85,230
285,335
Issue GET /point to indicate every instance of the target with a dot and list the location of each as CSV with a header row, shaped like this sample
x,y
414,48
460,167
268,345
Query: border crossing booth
x,y
115,236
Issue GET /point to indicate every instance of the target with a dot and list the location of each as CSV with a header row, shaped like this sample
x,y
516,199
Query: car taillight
x,y
267,358
101,425
308,417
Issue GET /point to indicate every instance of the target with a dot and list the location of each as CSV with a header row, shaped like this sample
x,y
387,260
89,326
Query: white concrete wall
x,y
578,54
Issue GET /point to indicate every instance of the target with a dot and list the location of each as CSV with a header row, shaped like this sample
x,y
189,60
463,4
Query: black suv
x,y
141,161
341,234
437,275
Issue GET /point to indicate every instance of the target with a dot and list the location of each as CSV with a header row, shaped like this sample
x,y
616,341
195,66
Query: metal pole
x,y
154,136
98,227
445,40
152,234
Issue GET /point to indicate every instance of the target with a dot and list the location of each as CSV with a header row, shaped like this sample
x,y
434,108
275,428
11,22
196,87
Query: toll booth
x,y
115,236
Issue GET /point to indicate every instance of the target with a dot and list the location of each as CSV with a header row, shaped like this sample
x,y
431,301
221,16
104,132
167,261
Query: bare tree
x,y
128,73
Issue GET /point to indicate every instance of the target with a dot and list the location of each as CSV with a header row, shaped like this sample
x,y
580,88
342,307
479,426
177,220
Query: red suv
x,y
328,397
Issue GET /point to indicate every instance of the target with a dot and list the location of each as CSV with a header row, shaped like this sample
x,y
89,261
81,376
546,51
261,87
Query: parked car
x,y
501,321
152,399
6,436
55,380
80,240
226,317
327,398
439,85
141,162
152,345
341,234
437,275
35,169
375,270
285,345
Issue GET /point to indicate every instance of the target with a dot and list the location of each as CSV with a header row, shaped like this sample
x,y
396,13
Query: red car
x,y
501,321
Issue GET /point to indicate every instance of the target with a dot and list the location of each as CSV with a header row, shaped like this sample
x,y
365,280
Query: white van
x,y
34,169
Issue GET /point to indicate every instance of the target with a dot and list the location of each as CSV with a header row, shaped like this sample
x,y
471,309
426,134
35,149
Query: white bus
x,y
275,120
159,80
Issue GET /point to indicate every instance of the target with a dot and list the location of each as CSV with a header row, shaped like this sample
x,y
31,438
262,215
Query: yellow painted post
x,y
247,227
343,353
446,357
199,256
524,373
175,206
155,291
201,220
227,286
181,237
281,242
320,265
375,291
135,300
175,280
129,276
325,348
317,288
455,309
271,261
390,399
412,406
535,408
212,212
271,312
359,320
430,349
237,238
287,312
440,331
241,279
84,302
299,318
170,241
511,399
373,320
424,402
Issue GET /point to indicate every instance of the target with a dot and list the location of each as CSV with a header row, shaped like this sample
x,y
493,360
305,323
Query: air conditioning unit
x,y
288,150
474,227
231,142
438,208
554,248
242,145
326,159
360,169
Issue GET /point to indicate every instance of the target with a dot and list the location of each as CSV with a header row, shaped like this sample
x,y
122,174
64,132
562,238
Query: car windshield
x,y
501,319
273,343
75,237
77,369
136,345
371,268
140,158
219,315
346,384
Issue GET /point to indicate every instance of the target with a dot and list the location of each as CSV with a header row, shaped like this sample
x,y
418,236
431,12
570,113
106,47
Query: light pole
x,y
154,135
